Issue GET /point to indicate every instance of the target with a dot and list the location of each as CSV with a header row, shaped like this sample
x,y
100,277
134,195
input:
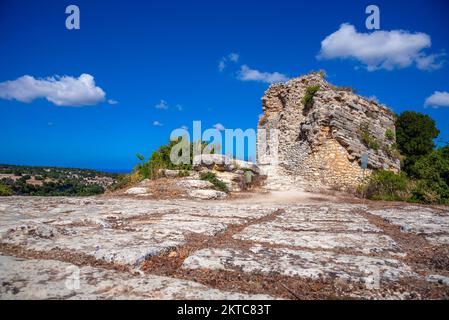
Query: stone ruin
x,y
321,144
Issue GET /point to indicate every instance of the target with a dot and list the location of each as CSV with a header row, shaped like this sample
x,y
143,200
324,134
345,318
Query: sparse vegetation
x,y
212,178
263,120
160,159
390,135
5,191
392,151
367,139
344,89
183,173
322,73
310,93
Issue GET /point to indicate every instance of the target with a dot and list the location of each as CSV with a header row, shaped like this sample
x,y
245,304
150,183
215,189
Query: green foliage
x,y
432,173
429,182
55,181
367,139
183,173
392,151
390,135
58,188
212,178
160,159
126,180
5,191
386,185
310,93
140,156
414,135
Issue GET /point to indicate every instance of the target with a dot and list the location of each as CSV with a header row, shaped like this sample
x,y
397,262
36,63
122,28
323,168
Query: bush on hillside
x,y
5,191
429,181
432,174
212,178
386,185
160,159
310,93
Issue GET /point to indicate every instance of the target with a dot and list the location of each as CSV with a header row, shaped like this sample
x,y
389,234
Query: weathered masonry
x,y
323,132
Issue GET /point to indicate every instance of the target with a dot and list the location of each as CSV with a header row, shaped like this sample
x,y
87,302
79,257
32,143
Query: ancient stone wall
x,y
321,143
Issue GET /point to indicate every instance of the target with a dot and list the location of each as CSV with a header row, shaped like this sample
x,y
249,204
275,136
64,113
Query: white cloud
x,y
61,91
162,105
219,127
233,57
380,49
430,62
157,123
185,127
221,65
438,99
112,101
248,74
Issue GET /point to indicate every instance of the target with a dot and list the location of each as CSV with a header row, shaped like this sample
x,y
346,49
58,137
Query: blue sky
x,y
142,52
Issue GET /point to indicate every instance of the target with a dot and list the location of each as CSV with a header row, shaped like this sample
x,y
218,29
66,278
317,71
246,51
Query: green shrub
x,y
160,159
432,173
183,173
392,151
212,178
390,135
5,191
431,192
310,93
386,185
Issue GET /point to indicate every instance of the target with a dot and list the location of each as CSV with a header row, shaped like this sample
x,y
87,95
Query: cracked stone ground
x,y
242,249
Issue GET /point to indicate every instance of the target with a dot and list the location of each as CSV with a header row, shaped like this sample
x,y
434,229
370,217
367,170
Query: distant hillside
x,y
54,181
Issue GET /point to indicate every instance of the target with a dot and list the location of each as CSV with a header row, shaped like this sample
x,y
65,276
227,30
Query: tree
x,y
432,174
415,133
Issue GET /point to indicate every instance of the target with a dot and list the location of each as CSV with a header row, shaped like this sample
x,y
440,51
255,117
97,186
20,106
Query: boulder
x,y
207,194
169,173
220,162
245,165
217,162
194,184
136,191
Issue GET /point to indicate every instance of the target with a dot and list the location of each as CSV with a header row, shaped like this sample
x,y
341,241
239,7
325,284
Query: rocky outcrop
x,y
220,162
322,138
238,175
